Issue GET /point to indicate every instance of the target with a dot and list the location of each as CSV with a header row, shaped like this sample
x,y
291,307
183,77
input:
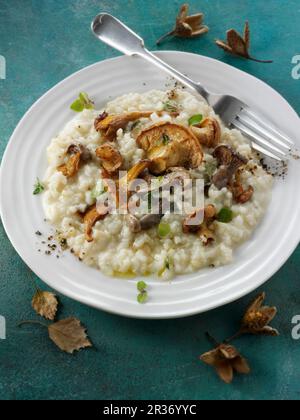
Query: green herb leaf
x,y
142,297
225,215
164,230
170,106
88,104
82,102
135,124
141,286
166,139
210,168
195,119
38,187
77,106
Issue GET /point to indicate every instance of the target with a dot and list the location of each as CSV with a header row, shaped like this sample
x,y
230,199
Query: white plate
x,y
22,214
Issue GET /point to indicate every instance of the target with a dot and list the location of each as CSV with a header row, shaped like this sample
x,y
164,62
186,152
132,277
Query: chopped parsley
x,y
164,229
143,294
170,106
195,119
38,187
82,102
165,139
225,215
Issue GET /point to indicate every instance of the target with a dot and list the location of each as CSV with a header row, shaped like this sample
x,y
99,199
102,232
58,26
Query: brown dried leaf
x,y
187,26
45,304
257,318
69,335
238,45
247,35
226,359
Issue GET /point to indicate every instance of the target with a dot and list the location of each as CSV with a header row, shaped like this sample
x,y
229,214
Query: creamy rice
x,y
115,250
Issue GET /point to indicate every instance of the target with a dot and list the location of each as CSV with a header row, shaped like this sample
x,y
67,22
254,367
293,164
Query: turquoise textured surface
x,y
44,41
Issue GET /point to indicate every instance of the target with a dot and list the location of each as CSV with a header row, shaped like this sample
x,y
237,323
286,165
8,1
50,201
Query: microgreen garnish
x,y
167,264
166,139
195,119
82,102
38,187
225,215
164,230
143,294
135,124
209,170
170,106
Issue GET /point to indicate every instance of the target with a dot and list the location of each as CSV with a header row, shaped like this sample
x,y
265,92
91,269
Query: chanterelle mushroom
x,y
240,195
168,145
110,157
205,229
230,162
76,154
109,125
91,216
208,132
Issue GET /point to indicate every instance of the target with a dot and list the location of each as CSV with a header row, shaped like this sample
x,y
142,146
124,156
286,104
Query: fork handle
x,y
114,33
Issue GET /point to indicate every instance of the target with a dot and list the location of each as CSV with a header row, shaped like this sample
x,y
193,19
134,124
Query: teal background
x,y
44,41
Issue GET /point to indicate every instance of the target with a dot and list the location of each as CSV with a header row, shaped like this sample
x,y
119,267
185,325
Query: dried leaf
x,y
247,35
238,45
257,318
45,304
69,335
226,360
187,26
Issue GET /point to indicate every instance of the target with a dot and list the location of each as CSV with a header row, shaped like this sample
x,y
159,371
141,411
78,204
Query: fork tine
x,y
268,127
259,140
254,126
265,152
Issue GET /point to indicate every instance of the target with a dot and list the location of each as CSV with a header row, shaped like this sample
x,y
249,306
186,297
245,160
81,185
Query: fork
x,y
264,136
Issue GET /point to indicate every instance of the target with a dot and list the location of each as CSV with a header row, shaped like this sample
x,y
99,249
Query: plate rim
x,y
63,289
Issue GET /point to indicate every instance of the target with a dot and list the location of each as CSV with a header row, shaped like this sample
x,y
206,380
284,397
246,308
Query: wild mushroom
x,y
91,216
146,222
203,230
230,162
239,193
110,157
208,132
76,154
109,125
168,145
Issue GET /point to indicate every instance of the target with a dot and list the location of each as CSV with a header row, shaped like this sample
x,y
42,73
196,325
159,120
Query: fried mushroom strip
x,y
91,217
168,145
77,154
110,157
110,124
208,132
205,229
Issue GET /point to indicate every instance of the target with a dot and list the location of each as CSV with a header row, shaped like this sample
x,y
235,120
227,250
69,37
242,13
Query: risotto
x,y
154,136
